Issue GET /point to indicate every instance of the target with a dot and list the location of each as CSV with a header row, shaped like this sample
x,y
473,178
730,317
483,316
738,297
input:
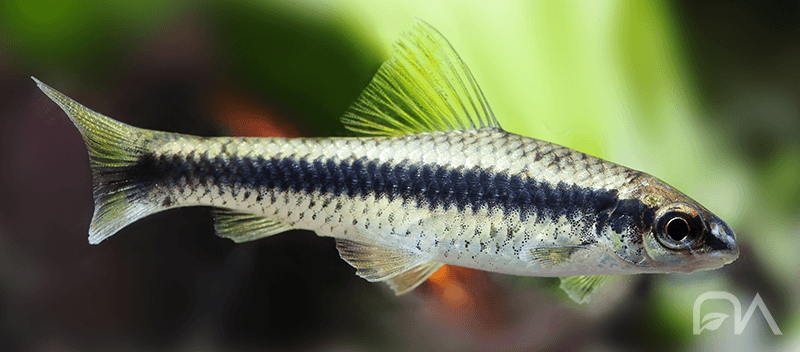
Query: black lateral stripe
x,y
627,213
426,185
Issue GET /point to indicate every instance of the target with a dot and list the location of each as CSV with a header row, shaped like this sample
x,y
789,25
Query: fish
x,y
431,179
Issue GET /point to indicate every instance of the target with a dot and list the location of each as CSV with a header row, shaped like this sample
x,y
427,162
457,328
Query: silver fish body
x,y
484,199
440,182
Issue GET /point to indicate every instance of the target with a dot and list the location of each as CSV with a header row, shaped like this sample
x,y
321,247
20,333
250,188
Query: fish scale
x,y
435,181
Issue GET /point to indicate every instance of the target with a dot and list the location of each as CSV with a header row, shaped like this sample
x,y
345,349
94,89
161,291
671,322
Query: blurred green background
x,y
703,95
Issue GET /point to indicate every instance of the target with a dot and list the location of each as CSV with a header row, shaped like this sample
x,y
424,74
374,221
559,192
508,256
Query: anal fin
x,y
377,263
581,288
243,227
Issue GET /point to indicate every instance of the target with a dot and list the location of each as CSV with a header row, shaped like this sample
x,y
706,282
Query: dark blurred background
x,y
704,95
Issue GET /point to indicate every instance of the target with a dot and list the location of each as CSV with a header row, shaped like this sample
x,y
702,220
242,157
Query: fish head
x,y
684,236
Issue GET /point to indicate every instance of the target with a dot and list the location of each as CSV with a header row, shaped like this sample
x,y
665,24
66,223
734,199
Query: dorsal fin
x,y
423,87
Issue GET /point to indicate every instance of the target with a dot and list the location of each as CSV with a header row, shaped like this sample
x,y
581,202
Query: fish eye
x,y
678,227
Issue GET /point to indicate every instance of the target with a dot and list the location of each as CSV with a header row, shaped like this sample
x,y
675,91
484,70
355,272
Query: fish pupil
x,y
678,228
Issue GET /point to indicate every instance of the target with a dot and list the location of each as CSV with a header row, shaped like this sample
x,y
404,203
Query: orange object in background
x,y
241,116
448,284
468,298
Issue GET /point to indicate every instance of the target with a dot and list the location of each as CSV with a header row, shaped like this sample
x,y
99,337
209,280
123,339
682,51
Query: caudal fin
x,y
114,149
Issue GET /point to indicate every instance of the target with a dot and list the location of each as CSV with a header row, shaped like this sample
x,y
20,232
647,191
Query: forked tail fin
x,y
114,149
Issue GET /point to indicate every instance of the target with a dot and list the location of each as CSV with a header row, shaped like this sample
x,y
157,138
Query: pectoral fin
x,y
549,256
581,288
243,227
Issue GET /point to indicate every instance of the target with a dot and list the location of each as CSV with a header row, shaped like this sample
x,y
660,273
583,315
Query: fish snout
x,y
723,241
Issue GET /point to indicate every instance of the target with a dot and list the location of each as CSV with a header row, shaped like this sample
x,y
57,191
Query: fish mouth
x,y
722,242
